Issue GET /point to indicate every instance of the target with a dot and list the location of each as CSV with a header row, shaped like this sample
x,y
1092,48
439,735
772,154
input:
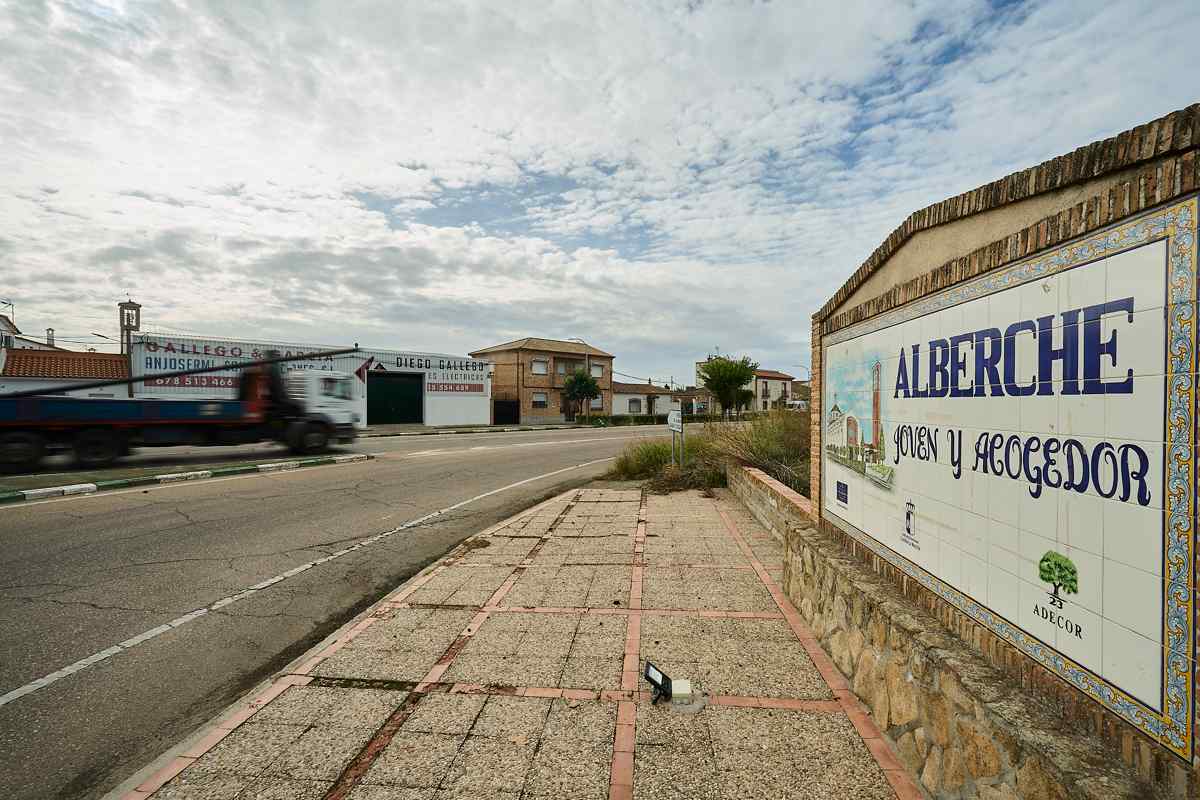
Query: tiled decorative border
x,y
1177,224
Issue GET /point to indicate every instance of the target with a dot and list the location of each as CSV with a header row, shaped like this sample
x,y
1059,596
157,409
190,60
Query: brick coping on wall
x,y
967,713
1162,151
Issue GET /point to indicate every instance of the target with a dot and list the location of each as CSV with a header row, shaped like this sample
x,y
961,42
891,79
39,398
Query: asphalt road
x,y
82,574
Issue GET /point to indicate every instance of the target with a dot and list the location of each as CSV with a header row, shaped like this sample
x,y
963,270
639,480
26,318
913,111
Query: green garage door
x,y
395,398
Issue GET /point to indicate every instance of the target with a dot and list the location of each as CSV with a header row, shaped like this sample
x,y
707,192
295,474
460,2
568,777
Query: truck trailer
x,y
303,409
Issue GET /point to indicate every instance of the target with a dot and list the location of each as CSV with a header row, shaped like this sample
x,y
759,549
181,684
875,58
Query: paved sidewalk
x,y
512,669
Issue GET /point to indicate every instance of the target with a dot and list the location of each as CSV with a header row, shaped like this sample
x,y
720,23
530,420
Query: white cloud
x,y
659,178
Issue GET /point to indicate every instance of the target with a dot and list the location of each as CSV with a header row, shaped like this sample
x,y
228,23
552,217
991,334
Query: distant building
x,y
801,394
529,375
640,399
694,400
771,387
12,338
50,371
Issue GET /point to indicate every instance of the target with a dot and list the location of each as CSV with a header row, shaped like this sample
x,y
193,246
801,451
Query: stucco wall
x,y
951,240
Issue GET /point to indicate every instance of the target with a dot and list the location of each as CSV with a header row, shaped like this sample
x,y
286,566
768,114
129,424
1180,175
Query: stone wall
x,y
964,728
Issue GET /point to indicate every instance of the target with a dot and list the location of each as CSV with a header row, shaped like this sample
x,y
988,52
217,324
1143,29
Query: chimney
x,y
50,337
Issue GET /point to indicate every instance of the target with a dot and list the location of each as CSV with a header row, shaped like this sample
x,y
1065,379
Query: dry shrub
x,y
776,442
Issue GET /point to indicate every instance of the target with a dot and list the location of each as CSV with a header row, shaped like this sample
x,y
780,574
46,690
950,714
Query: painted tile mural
x,y
1023,444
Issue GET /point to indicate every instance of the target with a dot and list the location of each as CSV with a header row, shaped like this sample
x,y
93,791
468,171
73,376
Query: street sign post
x,y
675,425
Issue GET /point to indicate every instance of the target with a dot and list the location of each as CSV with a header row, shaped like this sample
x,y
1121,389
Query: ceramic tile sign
x,y
1023,445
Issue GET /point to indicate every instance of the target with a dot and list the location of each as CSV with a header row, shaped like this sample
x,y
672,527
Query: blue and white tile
x,y
1081,521
1139,273
1133,662
1133,535
1134,599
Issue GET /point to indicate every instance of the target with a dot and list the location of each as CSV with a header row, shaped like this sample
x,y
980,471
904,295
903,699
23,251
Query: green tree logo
x,y
1058,570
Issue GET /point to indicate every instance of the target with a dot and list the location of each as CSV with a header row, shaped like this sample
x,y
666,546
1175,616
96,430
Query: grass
x,y
775,442
650,460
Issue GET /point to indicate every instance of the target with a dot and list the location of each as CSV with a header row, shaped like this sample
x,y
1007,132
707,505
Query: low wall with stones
x,y
964,728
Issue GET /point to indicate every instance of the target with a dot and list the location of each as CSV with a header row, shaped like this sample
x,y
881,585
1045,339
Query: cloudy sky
x,y
658,178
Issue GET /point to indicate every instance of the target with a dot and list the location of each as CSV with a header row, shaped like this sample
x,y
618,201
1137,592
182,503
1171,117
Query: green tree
x,y
725,378
1057,569
579,388
745,400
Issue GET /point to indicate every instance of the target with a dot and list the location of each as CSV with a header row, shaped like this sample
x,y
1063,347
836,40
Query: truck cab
x,y
324,399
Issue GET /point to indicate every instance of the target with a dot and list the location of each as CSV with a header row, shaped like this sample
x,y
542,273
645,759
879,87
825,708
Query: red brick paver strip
x,y
546,701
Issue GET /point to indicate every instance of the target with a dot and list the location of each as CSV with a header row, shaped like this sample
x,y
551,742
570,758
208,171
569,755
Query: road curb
x,y
23,495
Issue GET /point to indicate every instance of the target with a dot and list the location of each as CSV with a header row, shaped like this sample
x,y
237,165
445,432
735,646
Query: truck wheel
x,y
314,438
20,451
96,448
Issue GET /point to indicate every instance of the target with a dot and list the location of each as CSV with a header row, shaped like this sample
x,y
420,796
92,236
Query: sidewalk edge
x,y
22,495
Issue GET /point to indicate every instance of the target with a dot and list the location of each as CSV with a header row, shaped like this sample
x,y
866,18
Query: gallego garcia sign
x,y
1024,445
156,354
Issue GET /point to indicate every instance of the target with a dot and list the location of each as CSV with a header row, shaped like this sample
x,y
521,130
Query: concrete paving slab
x,y
675,772
575,721
445,713
330,706
366,791
378,665
285,789
487,766
506,670
582,672
418,760
569,769
320,753
198,785
504,717
249,750
664,725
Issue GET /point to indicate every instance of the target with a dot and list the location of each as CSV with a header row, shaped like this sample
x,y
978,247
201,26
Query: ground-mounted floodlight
x,y
659,682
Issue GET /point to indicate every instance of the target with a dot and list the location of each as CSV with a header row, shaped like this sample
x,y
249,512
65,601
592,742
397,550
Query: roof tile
x,y
63,364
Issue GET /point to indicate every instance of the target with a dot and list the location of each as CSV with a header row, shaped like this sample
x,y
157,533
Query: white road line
x,y
145,636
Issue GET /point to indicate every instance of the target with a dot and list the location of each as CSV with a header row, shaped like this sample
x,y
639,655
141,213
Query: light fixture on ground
x,y
679,692
659,682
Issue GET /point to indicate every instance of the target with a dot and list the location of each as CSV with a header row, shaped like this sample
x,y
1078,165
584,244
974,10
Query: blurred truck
x,y
303,409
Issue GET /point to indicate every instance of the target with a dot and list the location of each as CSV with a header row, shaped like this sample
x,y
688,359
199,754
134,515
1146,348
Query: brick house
x,y
529,374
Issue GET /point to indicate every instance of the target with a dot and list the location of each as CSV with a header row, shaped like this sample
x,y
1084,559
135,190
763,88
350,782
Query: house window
x,y
539,399
562,367
597,370
635,406
597,402
538,367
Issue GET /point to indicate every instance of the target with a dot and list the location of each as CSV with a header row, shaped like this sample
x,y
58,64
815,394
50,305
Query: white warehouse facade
x,y
391,387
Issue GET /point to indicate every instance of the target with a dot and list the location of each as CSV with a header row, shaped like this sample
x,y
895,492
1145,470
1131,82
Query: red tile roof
x,y
639,388
546,345
63,364
770,373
